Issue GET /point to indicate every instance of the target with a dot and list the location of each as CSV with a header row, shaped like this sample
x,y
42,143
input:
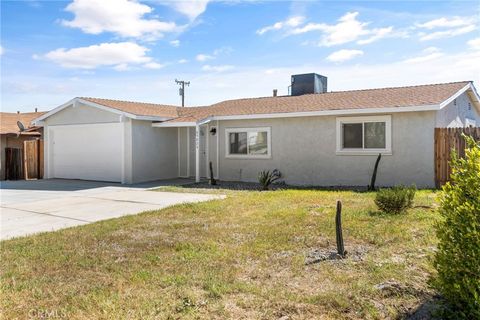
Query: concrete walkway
x,y
29,207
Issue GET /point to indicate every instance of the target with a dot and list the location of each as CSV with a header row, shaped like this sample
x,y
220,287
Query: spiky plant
x,y
267,177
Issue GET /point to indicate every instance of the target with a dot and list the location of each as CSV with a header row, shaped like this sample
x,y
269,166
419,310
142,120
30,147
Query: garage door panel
x,y
89,152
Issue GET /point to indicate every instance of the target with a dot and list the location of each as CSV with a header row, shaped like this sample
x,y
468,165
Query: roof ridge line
x,y
343,91
128,101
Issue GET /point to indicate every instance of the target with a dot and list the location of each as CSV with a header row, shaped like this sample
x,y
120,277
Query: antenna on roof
x,y
20,126
181,91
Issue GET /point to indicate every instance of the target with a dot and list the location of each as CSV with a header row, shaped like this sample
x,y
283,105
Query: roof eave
x,y
173,124
432,107
456,95
75,101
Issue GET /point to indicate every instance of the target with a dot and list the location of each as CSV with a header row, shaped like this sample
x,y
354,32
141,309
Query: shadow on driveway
x,y
78,185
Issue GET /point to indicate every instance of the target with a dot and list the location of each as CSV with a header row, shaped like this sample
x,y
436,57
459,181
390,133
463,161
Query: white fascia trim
x,y
173,124
127,114
75,101
428,107
432,107
474,92
473,95
53,111
456,95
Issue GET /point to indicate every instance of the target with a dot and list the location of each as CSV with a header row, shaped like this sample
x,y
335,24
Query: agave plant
x,y
267,177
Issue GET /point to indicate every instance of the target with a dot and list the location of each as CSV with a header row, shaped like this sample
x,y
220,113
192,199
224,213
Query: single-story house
x,y
15,129
314,137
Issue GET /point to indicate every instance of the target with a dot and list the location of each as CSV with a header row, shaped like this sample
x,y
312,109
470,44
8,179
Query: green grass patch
x,y
241,257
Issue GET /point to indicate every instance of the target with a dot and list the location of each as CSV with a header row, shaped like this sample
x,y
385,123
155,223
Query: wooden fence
x,y
13,164
447,139
33,159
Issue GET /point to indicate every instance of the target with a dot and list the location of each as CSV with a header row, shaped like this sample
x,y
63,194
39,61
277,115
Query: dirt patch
x,y
249,186
356,253
393,288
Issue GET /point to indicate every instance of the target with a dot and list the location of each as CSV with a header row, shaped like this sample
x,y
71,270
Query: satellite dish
x,y
20,126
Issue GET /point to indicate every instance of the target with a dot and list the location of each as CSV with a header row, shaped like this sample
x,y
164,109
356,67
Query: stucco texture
x,y
155,152
304,150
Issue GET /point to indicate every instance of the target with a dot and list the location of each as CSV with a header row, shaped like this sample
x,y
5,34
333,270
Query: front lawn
x,y
242,257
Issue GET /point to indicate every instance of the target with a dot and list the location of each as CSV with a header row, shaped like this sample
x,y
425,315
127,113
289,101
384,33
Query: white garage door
x,y
88,152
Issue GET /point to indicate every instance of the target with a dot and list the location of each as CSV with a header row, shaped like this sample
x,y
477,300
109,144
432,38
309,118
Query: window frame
x,y
248,130
363,151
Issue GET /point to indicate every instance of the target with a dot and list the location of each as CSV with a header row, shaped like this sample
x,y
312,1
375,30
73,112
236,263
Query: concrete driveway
x,y
29,207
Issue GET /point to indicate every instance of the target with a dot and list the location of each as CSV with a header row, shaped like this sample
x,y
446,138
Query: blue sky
x,y
52,51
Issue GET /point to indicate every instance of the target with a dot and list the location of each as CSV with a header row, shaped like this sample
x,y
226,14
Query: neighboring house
x,y
322,138
12,137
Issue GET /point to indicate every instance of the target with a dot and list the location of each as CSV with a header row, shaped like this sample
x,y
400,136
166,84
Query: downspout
x,y
197,153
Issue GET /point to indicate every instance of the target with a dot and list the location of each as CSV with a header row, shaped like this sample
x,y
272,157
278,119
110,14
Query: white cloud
x,y
122,67
153,65
290,22
445,23
120,55
449,27
204,57
427,54
347,29
220,68
446,34
192,8
54,89
175,43
1,50
220,51
474,44
122,17
377,34
344,55
181,61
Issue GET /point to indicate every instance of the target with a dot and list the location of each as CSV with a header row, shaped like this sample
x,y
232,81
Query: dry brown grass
x,y
240,258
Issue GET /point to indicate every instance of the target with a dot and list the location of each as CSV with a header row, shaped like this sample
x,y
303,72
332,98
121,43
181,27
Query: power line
x,y
181,91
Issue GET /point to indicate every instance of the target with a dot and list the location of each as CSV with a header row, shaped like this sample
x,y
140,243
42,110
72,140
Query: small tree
x,y
458,257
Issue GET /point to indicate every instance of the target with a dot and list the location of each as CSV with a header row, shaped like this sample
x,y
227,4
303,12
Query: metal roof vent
x,y
308,83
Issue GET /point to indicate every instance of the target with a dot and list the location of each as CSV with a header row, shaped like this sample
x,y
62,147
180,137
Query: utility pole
x,y
181,91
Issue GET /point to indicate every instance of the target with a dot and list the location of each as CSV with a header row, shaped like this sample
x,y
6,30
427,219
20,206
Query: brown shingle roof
x,y
397,97
422,95
137,108
8,121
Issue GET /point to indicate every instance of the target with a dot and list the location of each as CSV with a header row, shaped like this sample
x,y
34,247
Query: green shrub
x,y
267,177
457,259
395,200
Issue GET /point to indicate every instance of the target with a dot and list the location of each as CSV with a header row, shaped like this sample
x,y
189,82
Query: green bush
x,y
266,178
457,259
395,200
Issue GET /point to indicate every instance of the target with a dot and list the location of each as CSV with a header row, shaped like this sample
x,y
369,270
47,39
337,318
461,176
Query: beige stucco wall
x,y
155,152
456,113
304,150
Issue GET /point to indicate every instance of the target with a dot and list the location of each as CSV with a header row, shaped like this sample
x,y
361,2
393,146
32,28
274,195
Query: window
x,y
248,143
364,135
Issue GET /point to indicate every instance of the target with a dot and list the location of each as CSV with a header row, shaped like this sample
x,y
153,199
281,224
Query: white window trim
x,y
353,151
248,156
